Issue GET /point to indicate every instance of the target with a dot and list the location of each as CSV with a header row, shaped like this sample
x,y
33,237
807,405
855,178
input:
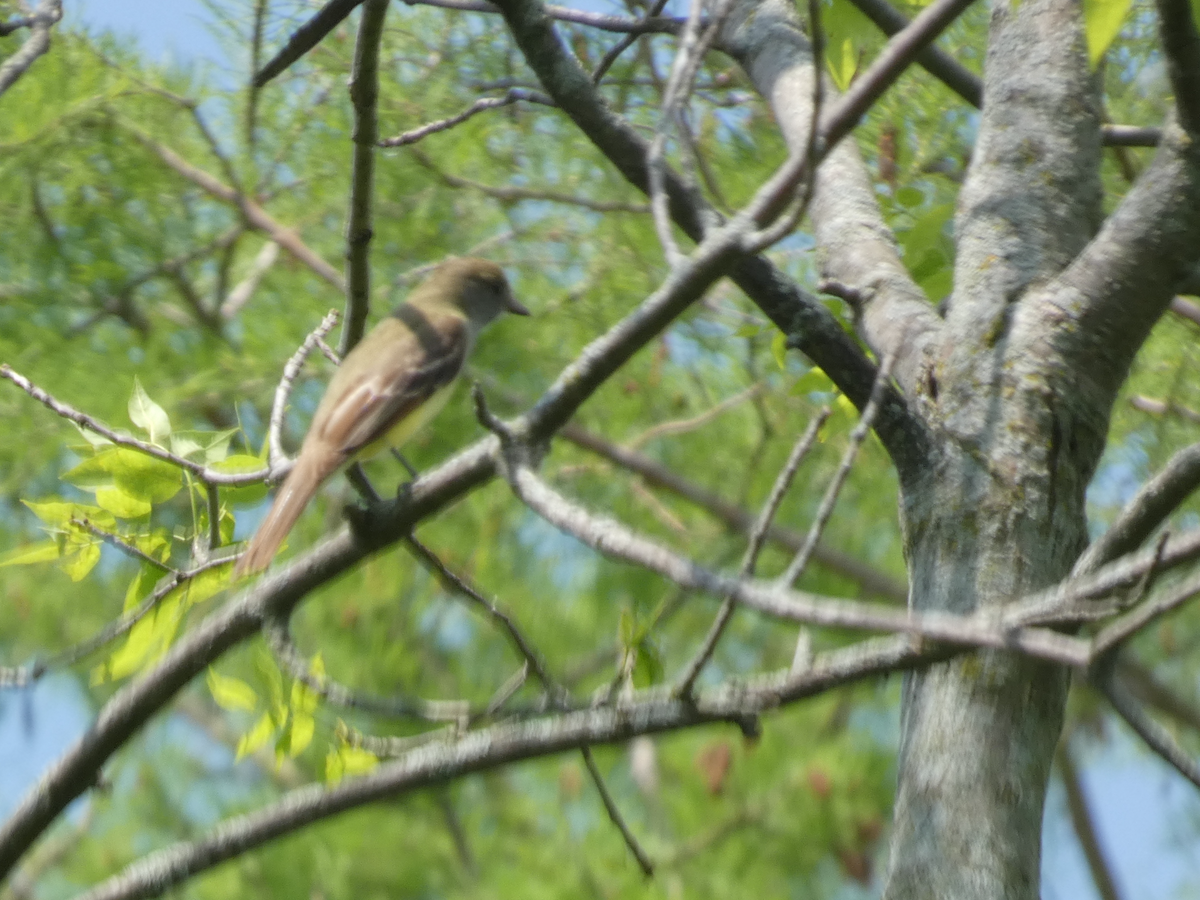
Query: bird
x,y
392,383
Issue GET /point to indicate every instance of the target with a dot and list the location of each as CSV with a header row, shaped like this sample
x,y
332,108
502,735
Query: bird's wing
x,y
369,409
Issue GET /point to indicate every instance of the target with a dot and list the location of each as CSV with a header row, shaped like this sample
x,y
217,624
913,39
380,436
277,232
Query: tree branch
x,y
364,95
767,40
1106,301
45,17
253,213
758,536
1085,824
512,95
1149,508
813,330
305,38
734,516
1181,44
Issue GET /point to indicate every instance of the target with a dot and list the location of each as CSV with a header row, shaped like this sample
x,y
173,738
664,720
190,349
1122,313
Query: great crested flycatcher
x,y
396,379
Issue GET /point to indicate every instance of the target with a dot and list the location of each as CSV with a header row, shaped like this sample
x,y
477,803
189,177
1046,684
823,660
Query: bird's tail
x,y
298,488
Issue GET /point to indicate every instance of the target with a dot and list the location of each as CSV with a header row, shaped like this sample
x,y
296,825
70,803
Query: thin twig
x,y
455,583
512,95
614,814
1156,737
1084,822
683,426
658,475
83,420
512,194
829,501
1157,499
114,540
785,224
275,455
278,638
758,537
22,675
624,44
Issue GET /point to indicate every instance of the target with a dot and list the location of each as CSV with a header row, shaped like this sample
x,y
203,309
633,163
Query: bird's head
x,y
475,286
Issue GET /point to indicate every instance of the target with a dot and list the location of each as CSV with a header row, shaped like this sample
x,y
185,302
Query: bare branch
x,y
45,17
253,213
1186,309
453,582
277,458
435,761
1158,498
1122,282
829,501
758,537
512,194
1130,136
83,420
364,94
115,540
812,328
654,473
624,44
767,40
22,675
1157,738
614,814
1084,823
244,289
1181,44
1163,408
683,426
276,634
512,95
619,24
305,38
1140,682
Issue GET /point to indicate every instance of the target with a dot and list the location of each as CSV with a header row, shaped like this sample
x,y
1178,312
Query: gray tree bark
x,y
1015,387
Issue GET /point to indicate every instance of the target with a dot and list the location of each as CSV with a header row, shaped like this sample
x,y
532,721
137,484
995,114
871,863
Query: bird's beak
x,y
511,304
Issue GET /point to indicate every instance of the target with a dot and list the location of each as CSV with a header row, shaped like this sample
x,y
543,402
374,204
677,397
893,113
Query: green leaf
x,y
813,381
207,584
148,415
120,504
240,464
297,736
1102,20
347,760
60,513
43,551
910,197
779,350
843,62
83,560
648,667
138,475
257,736
147,641
230,692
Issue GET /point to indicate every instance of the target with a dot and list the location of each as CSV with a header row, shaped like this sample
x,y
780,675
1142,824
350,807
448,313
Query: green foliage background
x,y
112,269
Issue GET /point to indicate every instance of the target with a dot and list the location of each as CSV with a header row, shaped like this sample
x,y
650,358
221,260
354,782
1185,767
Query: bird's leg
x,y
362,484
412,472
361,518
